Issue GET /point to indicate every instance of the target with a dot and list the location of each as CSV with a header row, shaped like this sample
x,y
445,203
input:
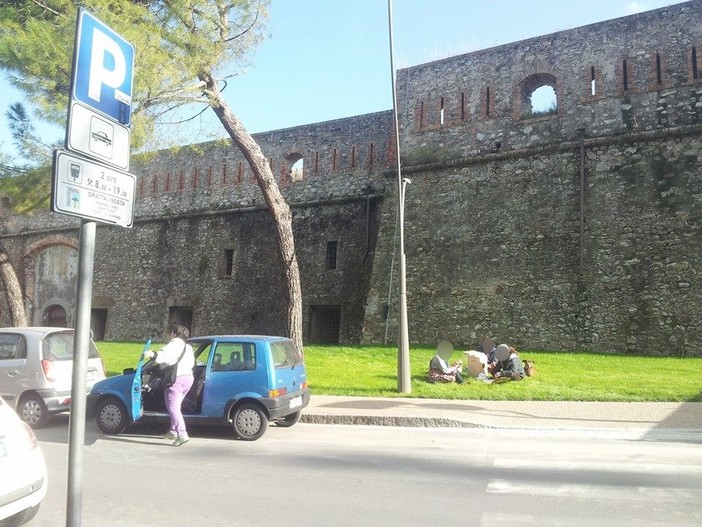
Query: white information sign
x,y
98,137
85,188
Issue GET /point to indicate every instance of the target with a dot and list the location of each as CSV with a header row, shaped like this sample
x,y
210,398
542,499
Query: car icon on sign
x,y
102,137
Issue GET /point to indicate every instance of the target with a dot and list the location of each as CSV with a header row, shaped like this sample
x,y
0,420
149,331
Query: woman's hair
x,y
180,331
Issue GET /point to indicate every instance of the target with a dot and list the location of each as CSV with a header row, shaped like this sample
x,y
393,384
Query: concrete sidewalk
x,y
538,415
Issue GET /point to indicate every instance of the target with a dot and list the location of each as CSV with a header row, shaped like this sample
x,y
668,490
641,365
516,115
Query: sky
x,y
329,59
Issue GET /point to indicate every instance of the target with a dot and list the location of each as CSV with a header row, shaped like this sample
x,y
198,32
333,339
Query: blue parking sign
x,y
103,69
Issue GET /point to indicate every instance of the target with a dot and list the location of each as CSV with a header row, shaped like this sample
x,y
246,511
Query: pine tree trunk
x,y
13,291
277,205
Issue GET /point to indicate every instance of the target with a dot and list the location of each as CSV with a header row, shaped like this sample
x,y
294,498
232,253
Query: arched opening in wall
x,y
54,316
538,96
296,164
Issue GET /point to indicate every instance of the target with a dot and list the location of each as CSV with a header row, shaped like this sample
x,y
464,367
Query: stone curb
x,y
425,422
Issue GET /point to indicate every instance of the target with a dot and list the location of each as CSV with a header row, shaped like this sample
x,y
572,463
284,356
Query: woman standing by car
x,y
177,351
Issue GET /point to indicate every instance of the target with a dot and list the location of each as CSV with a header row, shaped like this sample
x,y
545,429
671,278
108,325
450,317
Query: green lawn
x,y
372,371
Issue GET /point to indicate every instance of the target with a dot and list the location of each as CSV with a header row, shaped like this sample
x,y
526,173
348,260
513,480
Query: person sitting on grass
x,y
509,367
439,369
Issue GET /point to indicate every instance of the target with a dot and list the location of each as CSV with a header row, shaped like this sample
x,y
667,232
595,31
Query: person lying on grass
x,y
509,366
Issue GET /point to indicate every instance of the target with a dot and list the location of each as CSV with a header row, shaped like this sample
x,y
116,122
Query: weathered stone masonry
x,y
577,228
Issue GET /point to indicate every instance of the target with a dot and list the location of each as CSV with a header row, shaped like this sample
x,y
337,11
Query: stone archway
x,y
49,269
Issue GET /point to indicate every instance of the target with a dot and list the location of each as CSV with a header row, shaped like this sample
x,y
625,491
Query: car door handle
x,y
13,373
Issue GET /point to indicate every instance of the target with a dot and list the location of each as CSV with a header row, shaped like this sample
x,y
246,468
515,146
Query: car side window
x,y
202,355
12,347
234,356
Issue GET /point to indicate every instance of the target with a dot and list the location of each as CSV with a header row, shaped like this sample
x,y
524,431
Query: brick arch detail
x,y
530,82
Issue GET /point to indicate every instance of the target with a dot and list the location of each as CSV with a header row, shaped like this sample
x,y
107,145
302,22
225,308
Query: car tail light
x,y
48,367
303,385
21,437
31,438
277,392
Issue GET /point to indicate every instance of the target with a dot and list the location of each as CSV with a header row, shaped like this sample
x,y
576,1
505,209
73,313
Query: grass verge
x,y
371,371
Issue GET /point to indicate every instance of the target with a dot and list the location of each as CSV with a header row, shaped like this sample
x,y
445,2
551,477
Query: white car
x,y
23,478
36,371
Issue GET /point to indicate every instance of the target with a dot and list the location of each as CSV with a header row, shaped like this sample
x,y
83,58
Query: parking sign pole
x,y
81,347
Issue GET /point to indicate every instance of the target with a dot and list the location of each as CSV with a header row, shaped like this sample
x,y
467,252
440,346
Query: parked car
x,y
23,477
36,370
242,381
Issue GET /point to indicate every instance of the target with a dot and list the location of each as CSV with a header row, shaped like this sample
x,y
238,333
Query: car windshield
x,y
59,346
285,353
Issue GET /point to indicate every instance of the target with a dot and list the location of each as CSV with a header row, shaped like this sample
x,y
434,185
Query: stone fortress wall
x,y
577,228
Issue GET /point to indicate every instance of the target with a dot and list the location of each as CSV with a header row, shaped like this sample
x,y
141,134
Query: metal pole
x,y
81,344
403,362
582,201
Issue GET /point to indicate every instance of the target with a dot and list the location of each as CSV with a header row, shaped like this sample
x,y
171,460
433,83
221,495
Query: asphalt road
x,y
341,475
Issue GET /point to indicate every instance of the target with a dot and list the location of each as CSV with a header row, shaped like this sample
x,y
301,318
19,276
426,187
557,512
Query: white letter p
x,y
99,74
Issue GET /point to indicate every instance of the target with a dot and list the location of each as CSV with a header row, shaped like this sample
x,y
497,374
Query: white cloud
x,y
637,7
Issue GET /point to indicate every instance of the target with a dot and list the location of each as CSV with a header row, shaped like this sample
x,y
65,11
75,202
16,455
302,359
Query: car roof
x,y
236,337
36,329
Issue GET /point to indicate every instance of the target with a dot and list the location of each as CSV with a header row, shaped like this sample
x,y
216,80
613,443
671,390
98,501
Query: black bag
x,y
167,373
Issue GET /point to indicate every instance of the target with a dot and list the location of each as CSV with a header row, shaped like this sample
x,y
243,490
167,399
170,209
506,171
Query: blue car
x,y
242,381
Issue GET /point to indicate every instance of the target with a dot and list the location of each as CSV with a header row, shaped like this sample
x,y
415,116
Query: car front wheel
x,y
289,420
111,416
33,411
249,422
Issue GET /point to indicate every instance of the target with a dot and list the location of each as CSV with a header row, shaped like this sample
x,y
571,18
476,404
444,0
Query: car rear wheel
x,y
249,422
111,416
289,420
33,411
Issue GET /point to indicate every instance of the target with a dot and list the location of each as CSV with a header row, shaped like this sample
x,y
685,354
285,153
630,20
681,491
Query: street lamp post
x,y
403,362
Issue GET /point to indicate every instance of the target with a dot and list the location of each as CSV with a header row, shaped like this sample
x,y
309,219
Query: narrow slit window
x,y
625,76
487,101
316,161
659,75
695,72
353,157
421,114
331,255
228,262
442,112
334,159
593,85
463,106
371,154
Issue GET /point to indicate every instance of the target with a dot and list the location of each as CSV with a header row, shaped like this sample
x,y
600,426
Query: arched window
x,y
296,164
538,95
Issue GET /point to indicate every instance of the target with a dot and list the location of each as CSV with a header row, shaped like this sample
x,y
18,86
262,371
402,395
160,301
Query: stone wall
x,y
195,203
500,239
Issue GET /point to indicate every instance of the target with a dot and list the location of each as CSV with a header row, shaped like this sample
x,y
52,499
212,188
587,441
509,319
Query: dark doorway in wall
x,y
180,315
98,323
55,316
325,322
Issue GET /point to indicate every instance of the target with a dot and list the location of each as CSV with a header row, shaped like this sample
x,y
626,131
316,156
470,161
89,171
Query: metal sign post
x,y
89,182
81,344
